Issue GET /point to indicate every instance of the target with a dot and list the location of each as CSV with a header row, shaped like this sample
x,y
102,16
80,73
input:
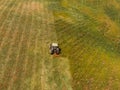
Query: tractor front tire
x,y
51,51
57,51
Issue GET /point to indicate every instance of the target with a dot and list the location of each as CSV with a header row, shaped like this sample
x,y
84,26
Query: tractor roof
x,y
54,44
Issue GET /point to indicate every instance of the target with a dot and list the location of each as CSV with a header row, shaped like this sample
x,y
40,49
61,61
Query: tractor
x,y
54,49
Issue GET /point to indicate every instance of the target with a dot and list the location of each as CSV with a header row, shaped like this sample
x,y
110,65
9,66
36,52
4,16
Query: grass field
x,y
88,32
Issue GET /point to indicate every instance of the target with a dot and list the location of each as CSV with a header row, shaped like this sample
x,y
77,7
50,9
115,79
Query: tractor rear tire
x,y
57,51
51,51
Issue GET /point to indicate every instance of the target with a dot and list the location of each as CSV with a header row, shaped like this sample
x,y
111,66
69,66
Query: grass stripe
x,y
37,54
17,59
33,81
22,86
12,43
7,31
23,74
4,8
15,65
3,19
43,75
6,60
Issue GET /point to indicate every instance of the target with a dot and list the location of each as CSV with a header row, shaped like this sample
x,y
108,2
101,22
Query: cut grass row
x,y
13,59
16,42
5,38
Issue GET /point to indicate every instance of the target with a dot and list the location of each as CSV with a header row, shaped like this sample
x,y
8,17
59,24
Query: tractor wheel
x,y
51,51
57,51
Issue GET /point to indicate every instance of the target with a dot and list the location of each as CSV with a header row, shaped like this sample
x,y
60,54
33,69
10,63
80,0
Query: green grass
x,y
89,35
88,32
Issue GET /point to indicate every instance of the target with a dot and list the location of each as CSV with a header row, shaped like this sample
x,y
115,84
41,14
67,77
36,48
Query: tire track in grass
x,y
8,53
8,31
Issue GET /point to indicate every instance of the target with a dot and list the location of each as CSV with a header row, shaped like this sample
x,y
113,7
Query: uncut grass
x,y
83,52
92,55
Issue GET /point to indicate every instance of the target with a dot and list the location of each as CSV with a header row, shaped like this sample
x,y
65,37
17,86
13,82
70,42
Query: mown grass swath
x,y
16,33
